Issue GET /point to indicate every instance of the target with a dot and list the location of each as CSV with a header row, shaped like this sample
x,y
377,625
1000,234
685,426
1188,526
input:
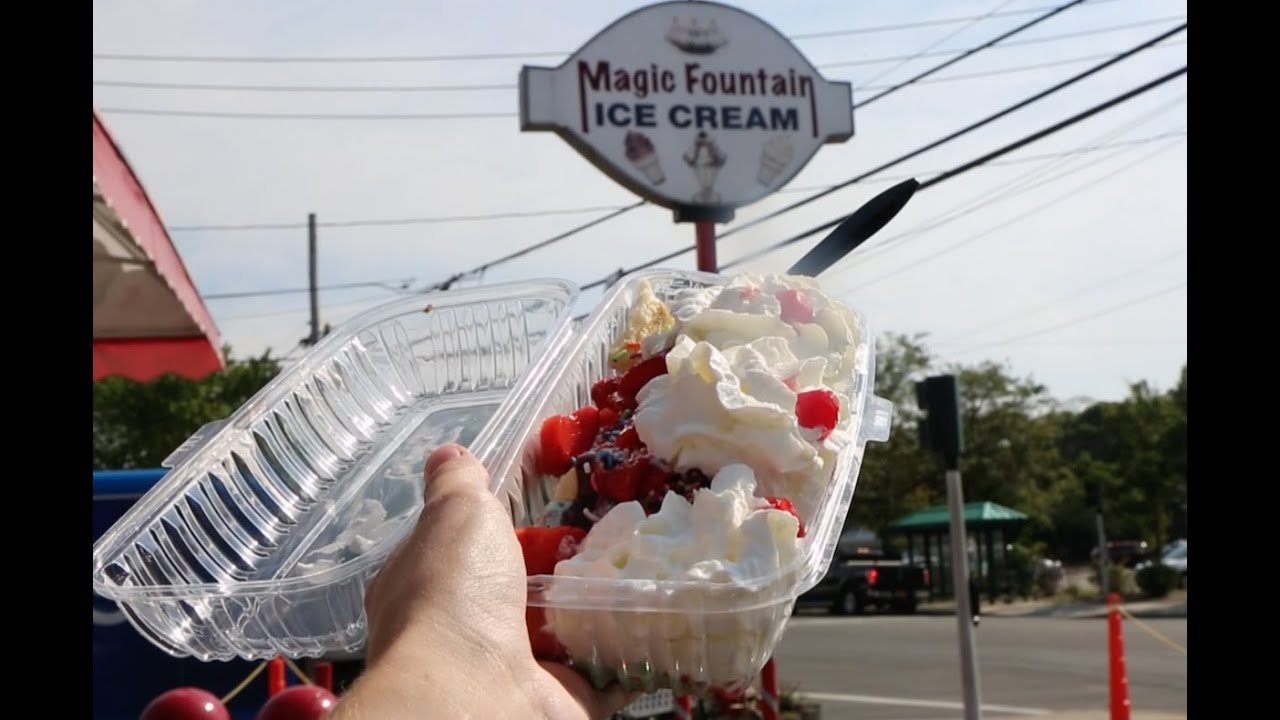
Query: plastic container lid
x,y
261,538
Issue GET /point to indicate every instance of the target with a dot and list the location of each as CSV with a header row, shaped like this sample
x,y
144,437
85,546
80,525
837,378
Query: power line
x,y
1018,68
1085,290
1019,185
1016,43
961,132
480,269
1084,149
377,222
142,57
237,115
1077,320
912,154
979,161
400,221
1017,218
403,286
937,43
252,88
302,116
297,311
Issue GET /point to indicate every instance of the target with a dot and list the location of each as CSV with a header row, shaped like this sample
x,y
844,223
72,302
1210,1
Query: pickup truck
x,y
858,582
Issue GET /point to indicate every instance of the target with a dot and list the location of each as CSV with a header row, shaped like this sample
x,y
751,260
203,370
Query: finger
x,y
452,469
598,704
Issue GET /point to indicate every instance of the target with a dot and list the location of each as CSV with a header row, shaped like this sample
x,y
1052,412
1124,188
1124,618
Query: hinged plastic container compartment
x,y
262,537
680,635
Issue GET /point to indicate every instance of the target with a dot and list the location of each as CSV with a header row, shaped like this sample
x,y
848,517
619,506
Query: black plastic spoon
x,y
856,229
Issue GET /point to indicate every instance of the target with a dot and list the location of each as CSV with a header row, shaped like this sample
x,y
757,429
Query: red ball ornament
x,y
300,702
186,703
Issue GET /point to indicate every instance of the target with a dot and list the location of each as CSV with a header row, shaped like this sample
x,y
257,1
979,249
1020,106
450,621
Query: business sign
x,y
695,106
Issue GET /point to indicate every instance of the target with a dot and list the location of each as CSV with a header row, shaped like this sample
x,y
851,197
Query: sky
x,y
1065,260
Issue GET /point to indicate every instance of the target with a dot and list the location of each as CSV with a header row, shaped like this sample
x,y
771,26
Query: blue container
x,y
128,671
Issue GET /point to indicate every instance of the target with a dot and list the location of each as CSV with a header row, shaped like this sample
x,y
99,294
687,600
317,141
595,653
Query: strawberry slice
x,y
564,436
640,374
608,418
605,393
543,547
558,437
628,439
818,409
636,479
587,418
796,307
781,503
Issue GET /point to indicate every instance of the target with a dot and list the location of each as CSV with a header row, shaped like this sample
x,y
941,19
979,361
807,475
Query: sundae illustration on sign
x,y
775,156
639,150
705,158
696,39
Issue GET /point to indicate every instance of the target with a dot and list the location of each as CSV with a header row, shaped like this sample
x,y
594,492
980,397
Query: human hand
x,y
446,614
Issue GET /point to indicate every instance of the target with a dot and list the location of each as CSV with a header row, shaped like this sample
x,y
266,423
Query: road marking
x,y
916,702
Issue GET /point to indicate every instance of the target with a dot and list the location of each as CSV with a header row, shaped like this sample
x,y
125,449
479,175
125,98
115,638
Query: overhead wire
x,y
1055,201
1103,312
454,57
981,160
1063,299
1078,77
1025,182
914,153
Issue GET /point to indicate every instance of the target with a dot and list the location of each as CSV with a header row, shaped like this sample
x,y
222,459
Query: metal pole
x,y
705,233
964,613
311,261
1104,580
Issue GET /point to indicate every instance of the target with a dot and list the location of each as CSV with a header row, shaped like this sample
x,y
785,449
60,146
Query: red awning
x,y
148,319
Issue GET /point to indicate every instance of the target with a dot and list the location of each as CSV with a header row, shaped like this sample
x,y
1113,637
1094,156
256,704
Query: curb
x,y
1079,611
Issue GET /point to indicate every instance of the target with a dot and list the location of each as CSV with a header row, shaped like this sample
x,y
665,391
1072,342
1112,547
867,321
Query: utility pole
x,y
314,337
941,432
1094,491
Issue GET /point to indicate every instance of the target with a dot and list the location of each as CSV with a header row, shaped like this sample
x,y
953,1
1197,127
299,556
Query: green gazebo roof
x,y
976,514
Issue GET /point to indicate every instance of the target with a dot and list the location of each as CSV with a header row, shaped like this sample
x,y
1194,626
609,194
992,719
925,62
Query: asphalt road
x,y
907,667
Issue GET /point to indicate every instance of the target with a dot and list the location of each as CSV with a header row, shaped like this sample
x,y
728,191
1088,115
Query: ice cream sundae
x,y
691,477
705,158
775,156
696,39
640,153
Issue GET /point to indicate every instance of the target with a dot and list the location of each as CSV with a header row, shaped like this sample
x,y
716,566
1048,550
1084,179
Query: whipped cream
x,y
733,374
730,543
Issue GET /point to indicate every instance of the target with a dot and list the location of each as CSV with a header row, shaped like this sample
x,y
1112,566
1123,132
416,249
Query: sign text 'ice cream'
x,y
699,107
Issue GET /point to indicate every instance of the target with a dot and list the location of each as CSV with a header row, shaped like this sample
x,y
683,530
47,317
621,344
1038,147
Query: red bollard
x,y
1115,650
275,677
769,703
324,674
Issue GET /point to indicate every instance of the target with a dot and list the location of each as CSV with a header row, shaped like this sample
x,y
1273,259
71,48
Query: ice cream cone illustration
x,y
775,156
705,158
640,152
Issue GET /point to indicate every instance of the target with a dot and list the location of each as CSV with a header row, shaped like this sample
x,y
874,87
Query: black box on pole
x,y
941,430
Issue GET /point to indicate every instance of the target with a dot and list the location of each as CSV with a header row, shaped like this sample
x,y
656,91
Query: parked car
x,y
855,583
1175,557
1129,553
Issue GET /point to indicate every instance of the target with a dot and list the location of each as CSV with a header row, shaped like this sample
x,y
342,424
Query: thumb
x,y
451,470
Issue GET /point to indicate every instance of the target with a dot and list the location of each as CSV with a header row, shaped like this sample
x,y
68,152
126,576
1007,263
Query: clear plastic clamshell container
x,y
649,634
262,537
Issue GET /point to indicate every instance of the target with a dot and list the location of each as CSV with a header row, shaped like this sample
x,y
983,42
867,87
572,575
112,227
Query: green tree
x,y
897,477
137,425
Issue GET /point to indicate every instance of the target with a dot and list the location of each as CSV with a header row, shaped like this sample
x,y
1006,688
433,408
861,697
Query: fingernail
x,y
442,455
